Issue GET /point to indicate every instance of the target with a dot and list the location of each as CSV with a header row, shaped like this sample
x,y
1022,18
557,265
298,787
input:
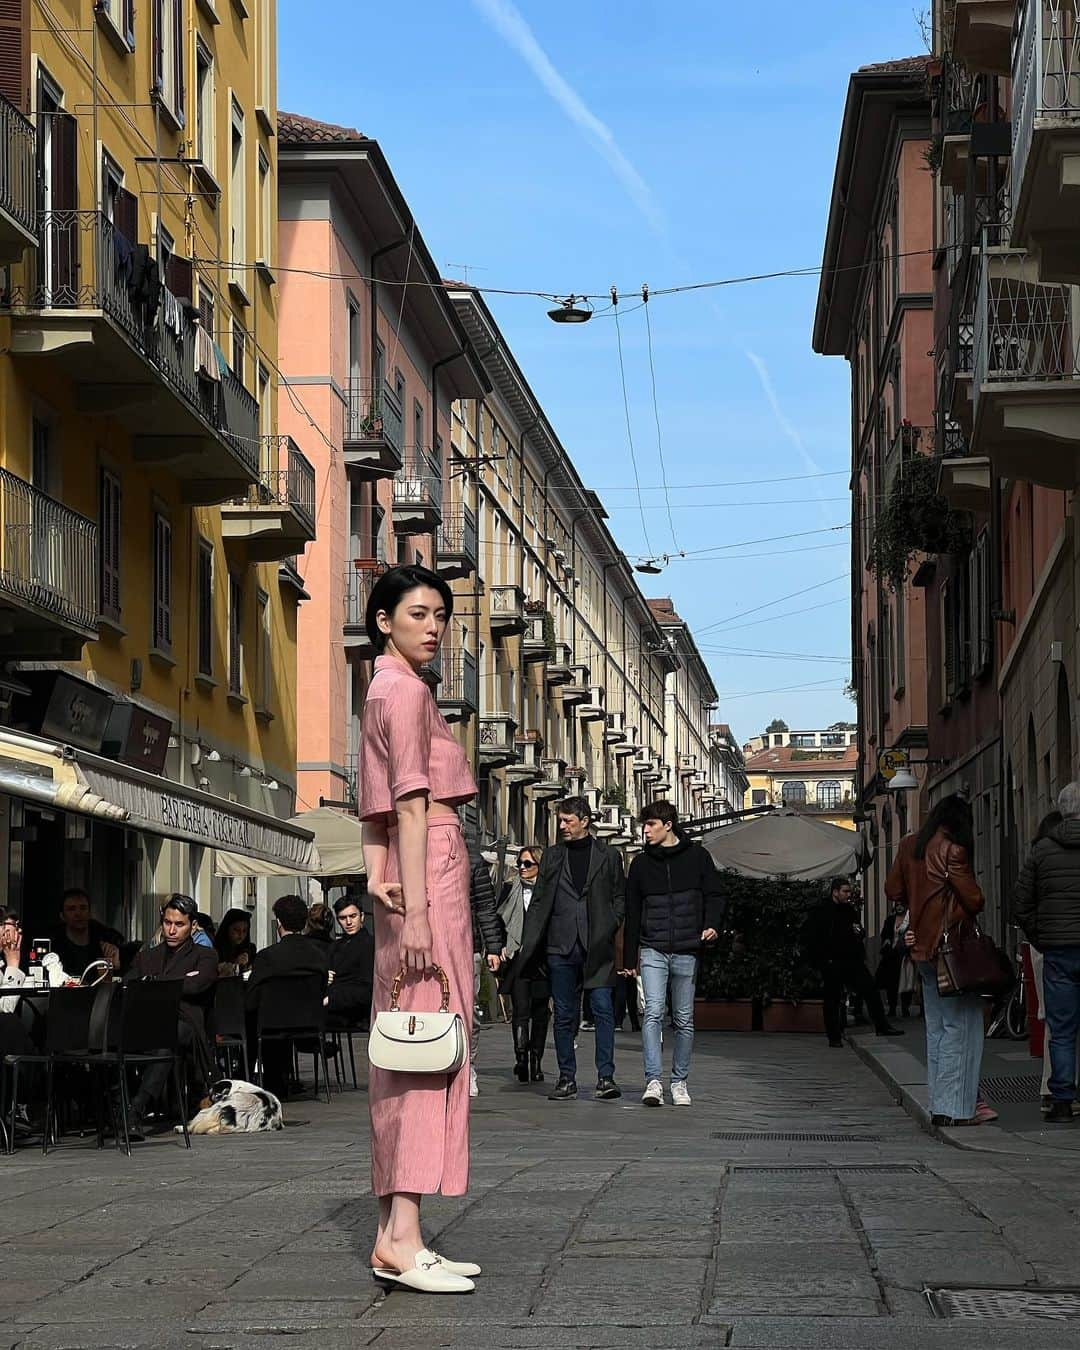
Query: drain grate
x,y
872,1169
1055,1305
1021,1088
752,1136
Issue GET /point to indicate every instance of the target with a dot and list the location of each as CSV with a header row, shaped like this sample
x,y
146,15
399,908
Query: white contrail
x,y
786,426
509,23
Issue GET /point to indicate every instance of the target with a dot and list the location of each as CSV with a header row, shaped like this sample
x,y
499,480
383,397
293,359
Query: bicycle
x,y
1011,1016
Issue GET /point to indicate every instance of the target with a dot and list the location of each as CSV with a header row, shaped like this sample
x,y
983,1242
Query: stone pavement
x,y
793,1205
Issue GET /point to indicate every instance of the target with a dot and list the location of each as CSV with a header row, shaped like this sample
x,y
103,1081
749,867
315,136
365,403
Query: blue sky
x,y
570,146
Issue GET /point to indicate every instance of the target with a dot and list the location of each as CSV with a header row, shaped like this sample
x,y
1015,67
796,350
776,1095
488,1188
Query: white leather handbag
x,y
418,1042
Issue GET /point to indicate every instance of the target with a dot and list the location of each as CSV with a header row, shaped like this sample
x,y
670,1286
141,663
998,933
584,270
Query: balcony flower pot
x,y
787,1017
723,1014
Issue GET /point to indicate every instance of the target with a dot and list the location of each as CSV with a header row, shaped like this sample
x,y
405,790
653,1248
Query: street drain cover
x,y
752,1136
1056,1305
1005,1088
874,1169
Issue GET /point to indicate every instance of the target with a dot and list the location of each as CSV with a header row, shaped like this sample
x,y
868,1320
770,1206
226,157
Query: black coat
x,y
352,959
605,895
833,935
196,966
1047,904
293,955
672,896
489,935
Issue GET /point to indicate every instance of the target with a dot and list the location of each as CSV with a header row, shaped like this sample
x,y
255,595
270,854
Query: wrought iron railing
x,y
48,553
497,731
1045,72
360,578
460,677
457,535
508,601
373,413
84,262
291,484
18,166
419,480
352,776
1024,329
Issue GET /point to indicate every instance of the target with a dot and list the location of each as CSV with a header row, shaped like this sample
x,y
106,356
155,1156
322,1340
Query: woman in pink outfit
x,y
413,778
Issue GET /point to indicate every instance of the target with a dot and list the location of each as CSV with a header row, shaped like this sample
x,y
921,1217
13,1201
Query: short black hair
x,y
391,587
343,902
659,810
574,806
837,882
183,903
291,912
74,893
207,924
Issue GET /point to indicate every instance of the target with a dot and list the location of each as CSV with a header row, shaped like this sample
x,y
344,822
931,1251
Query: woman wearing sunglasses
x,y
529,997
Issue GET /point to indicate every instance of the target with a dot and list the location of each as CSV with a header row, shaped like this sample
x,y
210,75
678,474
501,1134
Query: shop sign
x,y
76,713
138,737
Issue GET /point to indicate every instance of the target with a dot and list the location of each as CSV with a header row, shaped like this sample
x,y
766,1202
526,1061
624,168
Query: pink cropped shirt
x,y
406,746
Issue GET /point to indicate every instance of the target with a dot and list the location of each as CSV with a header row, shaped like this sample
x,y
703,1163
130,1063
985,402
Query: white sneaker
x,y
653,1094
474,1086
680,1095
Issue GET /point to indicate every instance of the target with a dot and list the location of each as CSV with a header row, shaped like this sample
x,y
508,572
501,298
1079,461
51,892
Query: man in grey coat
x,y
574,926
1048,910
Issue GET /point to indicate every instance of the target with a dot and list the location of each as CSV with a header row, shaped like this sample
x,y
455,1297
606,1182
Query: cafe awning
x,y
339,840
785,844
67,779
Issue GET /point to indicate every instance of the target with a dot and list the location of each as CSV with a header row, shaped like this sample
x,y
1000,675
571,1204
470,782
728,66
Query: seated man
x,y
80,939
178,957
352,968
291,955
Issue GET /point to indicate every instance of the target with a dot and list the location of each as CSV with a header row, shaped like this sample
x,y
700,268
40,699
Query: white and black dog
x,y
235,1107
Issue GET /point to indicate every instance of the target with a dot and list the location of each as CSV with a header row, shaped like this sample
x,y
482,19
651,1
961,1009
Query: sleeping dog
x,y
236,1107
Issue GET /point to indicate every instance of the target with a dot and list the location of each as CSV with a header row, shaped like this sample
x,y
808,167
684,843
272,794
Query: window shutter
x,y
162,583
126,215
110,545
180,277
65,161
15,52
178,56
129,22
949,634
158,28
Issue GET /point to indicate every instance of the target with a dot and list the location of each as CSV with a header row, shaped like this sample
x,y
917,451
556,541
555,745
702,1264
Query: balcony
x,y
456,546
48,575
965,483
418,492
140,359
982,34
459,693
538,643
553,783
664,779
360,576
592,709
374,430
506,610
496,743
1026,382
1046,136
529,766
615,731
557,671
276,518
575,781
687,765
18,183
644,763
576,689
628,746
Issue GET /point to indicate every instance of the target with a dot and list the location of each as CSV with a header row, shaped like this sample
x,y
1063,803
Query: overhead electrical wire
x,y
629,430
817,586
656,417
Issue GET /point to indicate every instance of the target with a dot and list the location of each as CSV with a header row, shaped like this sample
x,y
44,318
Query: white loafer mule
x,y
468,1269
428,1276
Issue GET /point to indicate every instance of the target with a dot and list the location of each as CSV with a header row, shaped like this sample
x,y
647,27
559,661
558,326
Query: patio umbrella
x,y
786,844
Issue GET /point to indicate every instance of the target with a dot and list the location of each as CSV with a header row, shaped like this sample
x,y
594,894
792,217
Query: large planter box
x,y
794,1017
719,1014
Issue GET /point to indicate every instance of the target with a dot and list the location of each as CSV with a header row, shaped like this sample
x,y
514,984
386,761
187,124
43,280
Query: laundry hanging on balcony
x,y
206,361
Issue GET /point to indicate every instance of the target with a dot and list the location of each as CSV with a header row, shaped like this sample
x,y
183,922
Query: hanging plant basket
x,y
915,519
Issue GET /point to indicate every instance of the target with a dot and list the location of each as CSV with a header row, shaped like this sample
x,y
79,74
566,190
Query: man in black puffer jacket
x,y
1048,910
673,905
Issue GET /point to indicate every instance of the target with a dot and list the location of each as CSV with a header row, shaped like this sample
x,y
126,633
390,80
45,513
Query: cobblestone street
x,y
793,1205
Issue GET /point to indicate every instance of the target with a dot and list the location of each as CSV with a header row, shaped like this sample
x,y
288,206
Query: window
x,y
204,106
206,607
979,588
793,792
236,646
418,424
161,636
119,19
828,794
758,797
355,342
239,343
266,409
265,242
804,740
237,197
262,674
265,38
169,57
109,565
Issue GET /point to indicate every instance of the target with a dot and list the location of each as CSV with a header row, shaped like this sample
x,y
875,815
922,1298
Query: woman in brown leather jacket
x,y
933,876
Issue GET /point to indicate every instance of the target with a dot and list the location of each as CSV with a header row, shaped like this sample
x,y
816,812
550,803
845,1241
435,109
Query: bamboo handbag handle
x,y
399,978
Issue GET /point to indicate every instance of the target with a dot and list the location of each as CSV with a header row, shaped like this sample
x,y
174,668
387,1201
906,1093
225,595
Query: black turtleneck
x,y
578,853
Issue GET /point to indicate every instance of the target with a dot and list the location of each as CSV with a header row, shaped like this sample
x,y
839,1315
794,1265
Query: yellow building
x,y
149,511
812,772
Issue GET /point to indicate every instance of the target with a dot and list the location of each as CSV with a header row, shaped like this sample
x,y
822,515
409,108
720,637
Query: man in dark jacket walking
x,y
673,905
1048,911
573,924
834,940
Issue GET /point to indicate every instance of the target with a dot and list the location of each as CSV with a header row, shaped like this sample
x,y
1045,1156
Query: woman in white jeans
x,y
933,876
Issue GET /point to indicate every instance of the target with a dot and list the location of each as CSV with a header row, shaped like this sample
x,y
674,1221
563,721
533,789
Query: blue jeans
x,y
954,1044
658,970
1061,996
566,974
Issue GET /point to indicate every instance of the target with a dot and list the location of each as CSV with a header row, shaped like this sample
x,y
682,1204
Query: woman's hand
x,y
416,943
709,935
909,938
243,961
494,962
389,894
